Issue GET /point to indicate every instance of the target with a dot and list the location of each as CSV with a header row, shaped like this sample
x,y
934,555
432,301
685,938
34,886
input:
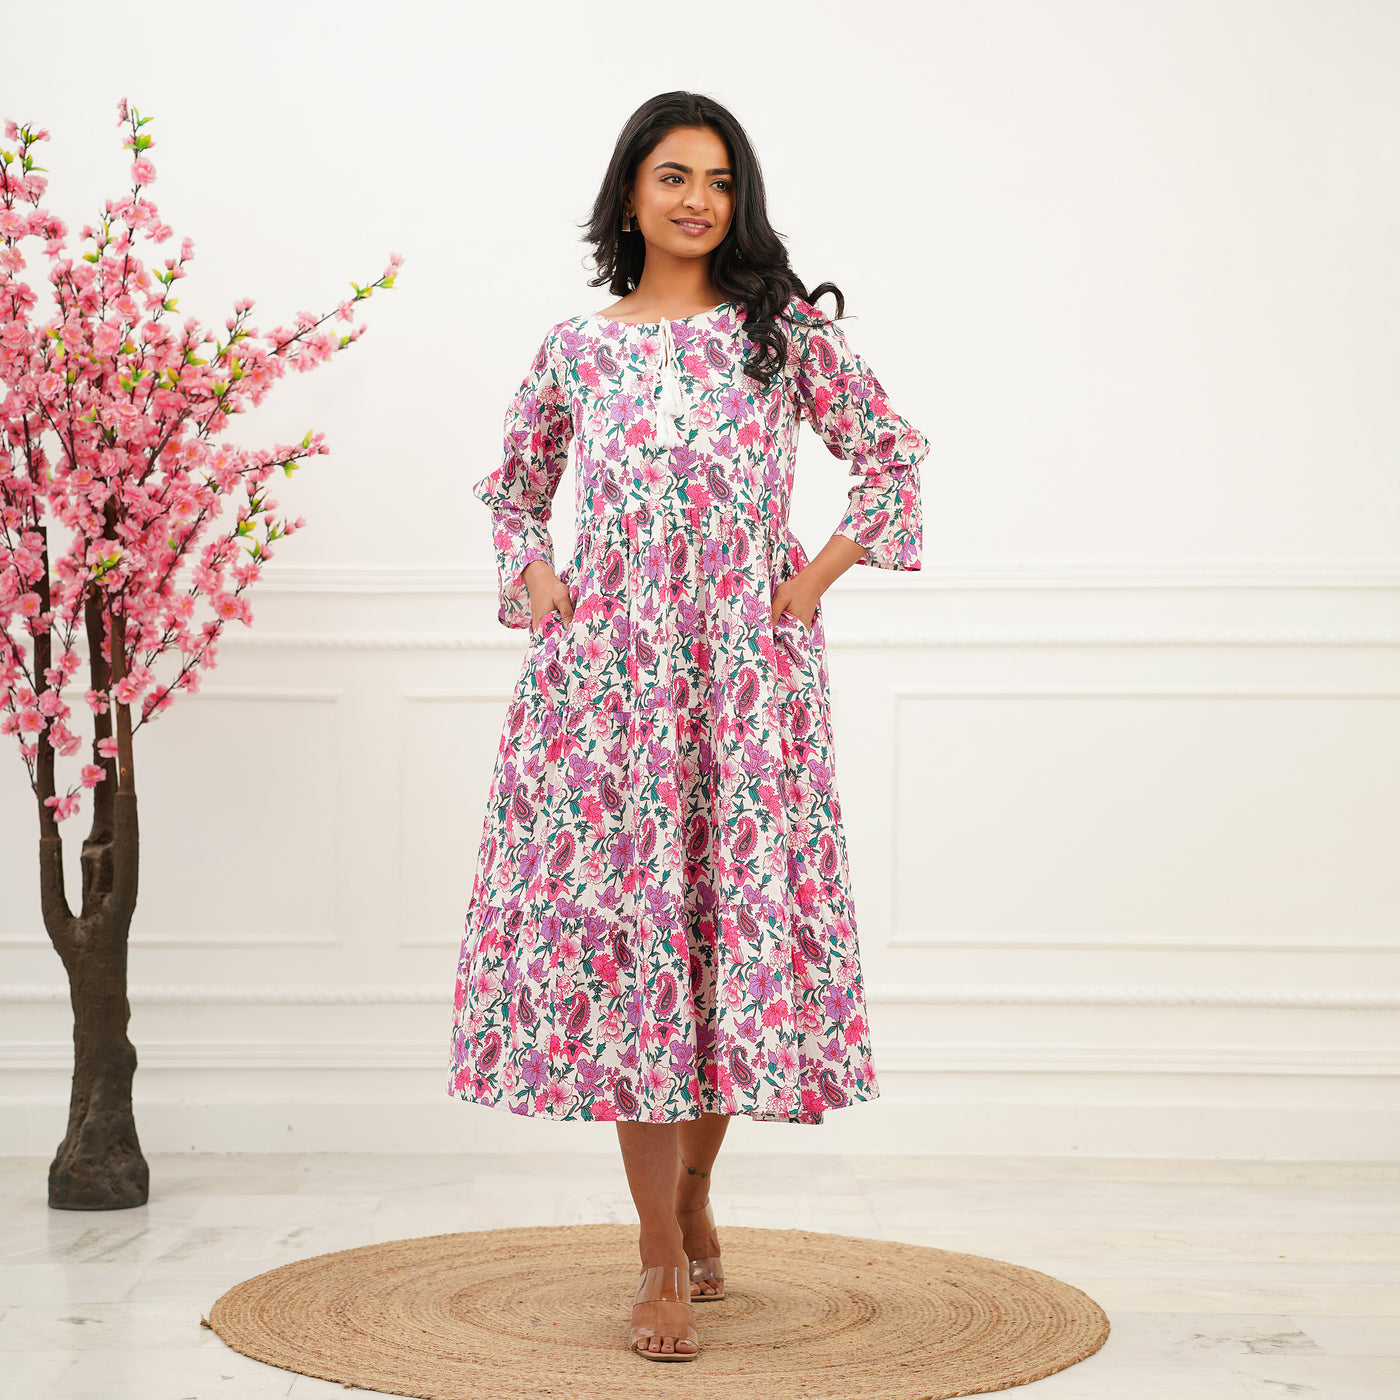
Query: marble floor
x,y
1222,1280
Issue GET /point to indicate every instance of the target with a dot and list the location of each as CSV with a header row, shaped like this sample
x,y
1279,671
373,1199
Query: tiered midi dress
x,y
661,921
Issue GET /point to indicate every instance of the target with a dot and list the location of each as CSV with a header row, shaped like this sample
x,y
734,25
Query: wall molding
x,y
1111,574
896,1057
1139,943
255,938
888,638
948,994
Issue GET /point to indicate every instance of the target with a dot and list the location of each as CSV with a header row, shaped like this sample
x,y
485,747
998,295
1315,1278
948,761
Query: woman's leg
x,y
699,1144
649,1152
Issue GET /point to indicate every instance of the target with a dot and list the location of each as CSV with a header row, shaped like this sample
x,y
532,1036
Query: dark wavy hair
x,y
750,267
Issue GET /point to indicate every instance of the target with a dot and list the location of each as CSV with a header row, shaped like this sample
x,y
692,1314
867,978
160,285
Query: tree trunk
x,y
98,1165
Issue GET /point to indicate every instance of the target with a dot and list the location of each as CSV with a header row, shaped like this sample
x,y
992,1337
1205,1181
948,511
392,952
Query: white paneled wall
x,y
1119,768
1121,848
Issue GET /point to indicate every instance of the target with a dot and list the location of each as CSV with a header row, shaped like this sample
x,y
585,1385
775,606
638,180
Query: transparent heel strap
x,y
666,1288
711,1268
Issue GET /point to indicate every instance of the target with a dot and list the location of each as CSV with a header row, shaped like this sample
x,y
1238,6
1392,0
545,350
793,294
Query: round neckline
x,y
674,320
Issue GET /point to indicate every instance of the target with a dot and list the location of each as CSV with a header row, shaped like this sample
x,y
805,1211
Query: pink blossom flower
x,y
92,774
228,607
107,747
63,807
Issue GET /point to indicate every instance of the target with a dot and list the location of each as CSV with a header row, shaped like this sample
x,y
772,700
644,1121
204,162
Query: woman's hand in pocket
x,y
798,597
548,593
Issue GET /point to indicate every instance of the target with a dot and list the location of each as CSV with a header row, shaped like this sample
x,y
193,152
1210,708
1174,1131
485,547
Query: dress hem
x,y
501,1103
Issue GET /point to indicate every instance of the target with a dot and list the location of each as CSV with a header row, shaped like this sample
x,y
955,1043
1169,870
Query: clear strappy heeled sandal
x,y
667,1290
709,1269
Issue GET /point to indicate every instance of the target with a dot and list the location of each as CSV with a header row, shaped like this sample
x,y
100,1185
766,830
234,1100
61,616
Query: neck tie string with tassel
x,y
671,405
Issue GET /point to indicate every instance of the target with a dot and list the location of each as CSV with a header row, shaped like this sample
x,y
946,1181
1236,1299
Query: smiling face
x,y
682,196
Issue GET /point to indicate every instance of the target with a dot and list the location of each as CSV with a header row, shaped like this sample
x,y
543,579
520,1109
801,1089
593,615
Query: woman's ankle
x,y
661,1245
692,1189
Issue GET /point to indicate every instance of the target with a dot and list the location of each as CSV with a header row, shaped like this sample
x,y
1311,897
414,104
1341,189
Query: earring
x,y
627,223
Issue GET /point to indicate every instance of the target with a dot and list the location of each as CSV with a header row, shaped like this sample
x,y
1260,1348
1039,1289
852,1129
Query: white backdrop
x,y
1120,767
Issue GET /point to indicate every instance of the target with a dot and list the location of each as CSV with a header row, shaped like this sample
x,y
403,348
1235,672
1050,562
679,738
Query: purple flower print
x,y
530,857
623,409
634,1006
837,1004
682,1057
580,771
573,342
712,556
762,984
622,850
532,1068
735,406
689,617
659,904
590,1075
757,759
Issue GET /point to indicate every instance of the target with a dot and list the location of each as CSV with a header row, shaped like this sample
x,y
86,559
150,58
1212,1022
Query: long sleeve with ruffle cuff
x,y
848,407
520,492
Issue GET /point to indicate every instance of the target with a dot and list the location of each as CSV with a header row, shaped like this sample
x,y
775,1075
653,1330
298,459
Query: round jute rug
x,y
512,1314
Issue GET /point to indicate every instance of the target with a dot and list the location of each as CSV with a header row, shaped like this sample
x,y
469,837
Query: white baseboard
x,y
1043,1126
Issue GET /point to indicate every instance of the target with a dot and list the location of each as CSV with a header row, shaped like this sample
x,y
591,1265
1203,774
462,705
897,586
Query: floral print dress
x,y
661,921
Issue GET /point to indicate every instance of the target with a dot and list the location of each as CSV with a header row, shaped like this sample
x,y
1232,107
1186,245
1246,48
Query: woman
x,y
661,929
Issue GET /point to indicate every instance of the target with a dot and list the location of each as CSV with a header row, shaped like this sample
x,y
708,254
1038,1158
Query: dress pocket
x,y
793,640
547,658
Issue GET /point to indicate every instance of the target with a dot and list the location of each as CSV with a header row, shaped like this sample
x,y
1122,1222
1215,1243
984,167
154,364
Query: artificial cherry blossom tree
x,y
113,530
